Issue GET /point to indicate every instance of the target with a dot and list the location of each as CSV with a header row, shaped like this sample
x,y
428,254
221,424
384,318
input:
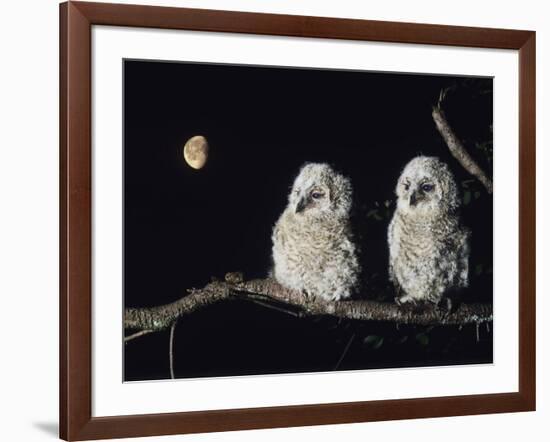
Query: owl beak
x,y
301,205
413,199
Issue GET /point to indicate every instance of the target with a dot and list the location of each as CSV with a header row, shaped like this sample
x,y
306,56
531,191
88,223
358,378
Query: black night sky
x,y
183,226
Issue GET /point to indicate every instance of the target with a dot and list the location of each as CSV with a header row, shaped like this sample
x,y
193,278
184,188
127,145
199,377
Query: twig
x,y
274,307
344,352
456,147
137,335
162,317
172,329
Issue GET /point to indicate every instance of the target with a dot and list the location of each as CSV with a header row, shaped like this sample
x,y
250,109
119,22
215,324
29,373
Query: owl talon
x,y
406,303
447,306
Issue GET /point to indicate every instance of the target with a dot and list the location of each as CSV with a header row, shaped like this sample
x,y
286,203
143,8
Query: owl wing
x,y
391,272
463,258
277,235
392,277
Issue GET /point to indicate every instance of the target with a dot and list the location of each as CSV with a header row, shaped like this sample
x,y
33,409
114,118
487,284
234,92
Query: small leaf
x,y
477,195
403,339
422,339
387,203
370,339
374,341
479,269
467,197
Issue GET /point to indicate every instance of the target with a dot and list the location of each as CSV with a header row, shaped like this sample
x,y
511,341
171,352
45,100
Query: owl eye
x,y
427,187
317,195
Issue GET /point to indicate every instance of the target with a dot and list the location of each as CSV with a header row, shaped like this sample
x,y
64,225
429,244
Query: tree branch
x,y
456,147
162,317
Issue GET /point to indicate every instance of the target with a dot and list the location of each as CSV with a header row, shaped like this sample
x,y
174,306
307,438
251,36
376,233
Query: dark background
x,y
182,226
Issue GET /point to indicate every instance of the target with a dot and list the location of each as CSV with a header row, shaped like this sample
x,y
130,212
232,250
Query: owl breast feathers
x,y
313,248
428,246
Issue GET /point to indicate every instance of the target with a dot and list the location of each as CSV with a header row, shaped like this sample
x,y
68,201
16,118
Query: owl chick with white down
x,y
313,248
428,246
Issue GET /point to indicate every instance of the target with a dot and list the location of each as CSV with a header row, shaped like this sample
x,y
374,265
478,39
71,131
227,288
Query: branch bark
x,y
457,149
162,317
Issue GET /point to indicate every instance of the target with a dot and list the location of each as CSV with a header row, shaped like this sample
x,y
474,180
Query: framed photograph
x,y
272,221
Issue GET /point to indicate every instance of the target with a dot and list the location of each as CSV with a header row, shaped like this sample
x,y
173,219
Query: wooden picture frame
x,y
76,21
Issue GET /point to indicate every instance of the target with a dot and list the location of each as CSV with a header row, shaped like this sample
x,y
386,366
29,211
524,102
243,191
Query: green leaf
x,y
370,339
422,339
467,197
374,341
403,339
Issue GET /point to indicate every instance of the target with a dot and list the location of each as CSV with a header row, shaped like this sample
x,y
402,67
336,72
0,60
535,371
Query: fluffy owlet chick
x,y
427,244
313,248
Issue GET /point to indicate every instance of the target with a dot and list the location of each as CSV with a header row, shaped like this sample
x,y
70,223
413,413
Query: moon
x,y
195,151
